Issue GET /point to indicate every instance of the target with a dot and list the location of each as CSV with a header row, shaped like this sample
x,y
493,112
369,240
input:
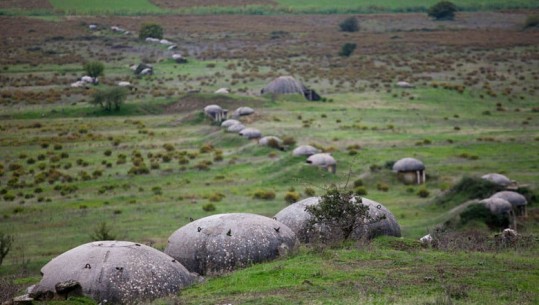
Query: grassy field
x,y
256,7
66,167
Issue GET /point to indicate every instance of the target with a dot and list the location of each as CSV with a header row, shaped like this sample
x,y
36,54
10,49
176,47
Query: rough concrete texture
x,y
117,272
224,242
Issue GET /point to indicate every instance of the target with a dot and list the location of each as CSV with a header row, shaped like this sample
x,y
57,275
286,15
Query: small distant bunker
x,y
382,221
517,201
243,111
229,123
225,242
236,128
305,150
116,272
499,179
497,206
215,112
289,85
323,160
250,133
410,171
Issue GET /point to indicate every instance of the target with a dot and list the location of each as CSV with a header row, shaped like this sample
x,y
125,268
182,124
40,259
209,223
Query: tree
x,y
347,49
152,30
443,10
94,68
109,99
349,24
337,214
6,241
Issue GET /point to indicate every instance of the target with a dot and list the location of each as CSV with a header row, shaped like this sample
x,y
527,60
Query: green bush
x,y
262,194
109,99
443,10
102,232
423,193
478,212
292,197
469,188
209,207
94,68
531,21
152,30
338,213
360,191
349,24
309,191
347,49
6,241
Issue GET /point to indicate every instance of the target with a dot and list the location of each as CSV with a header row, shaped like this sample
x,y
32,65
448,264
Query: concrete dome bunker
x,y
297,218
225,242
117,272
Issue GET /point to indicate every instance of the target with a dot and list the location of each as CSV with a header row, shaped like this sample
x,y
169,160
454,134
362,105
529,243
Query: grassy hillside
x,y
66,167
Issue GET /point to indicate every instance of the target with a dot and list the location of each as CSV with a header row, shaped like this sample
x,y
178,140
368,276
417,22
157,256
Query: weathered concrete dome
x,y
323,160
497,206
497,178
117,272
243,111
236,127
408,165
383,222
305,150
229,123
211,110
222,91
284,85
514,198
269,139
225,242
250,133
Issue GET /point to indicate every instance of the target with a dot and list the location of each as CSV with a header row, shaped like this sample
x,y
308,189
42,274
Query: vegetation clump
x,y
103,232
263,194
443,10
152,30
347,49
349,24
292,197
6,241
337,214
531,21
94,68
468,188
109,99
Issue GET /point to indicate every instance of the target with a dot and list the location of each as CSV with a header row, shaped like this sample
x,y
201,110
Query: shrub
x,y
209,207
94,68
469,188
443,10
152,30
262,194
358,182
479,212
309,191
349,24
216,197
360,191
382,187
423,193
292,197
531,21
6,241
289,141
338,213
109,99
347,49
102,232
